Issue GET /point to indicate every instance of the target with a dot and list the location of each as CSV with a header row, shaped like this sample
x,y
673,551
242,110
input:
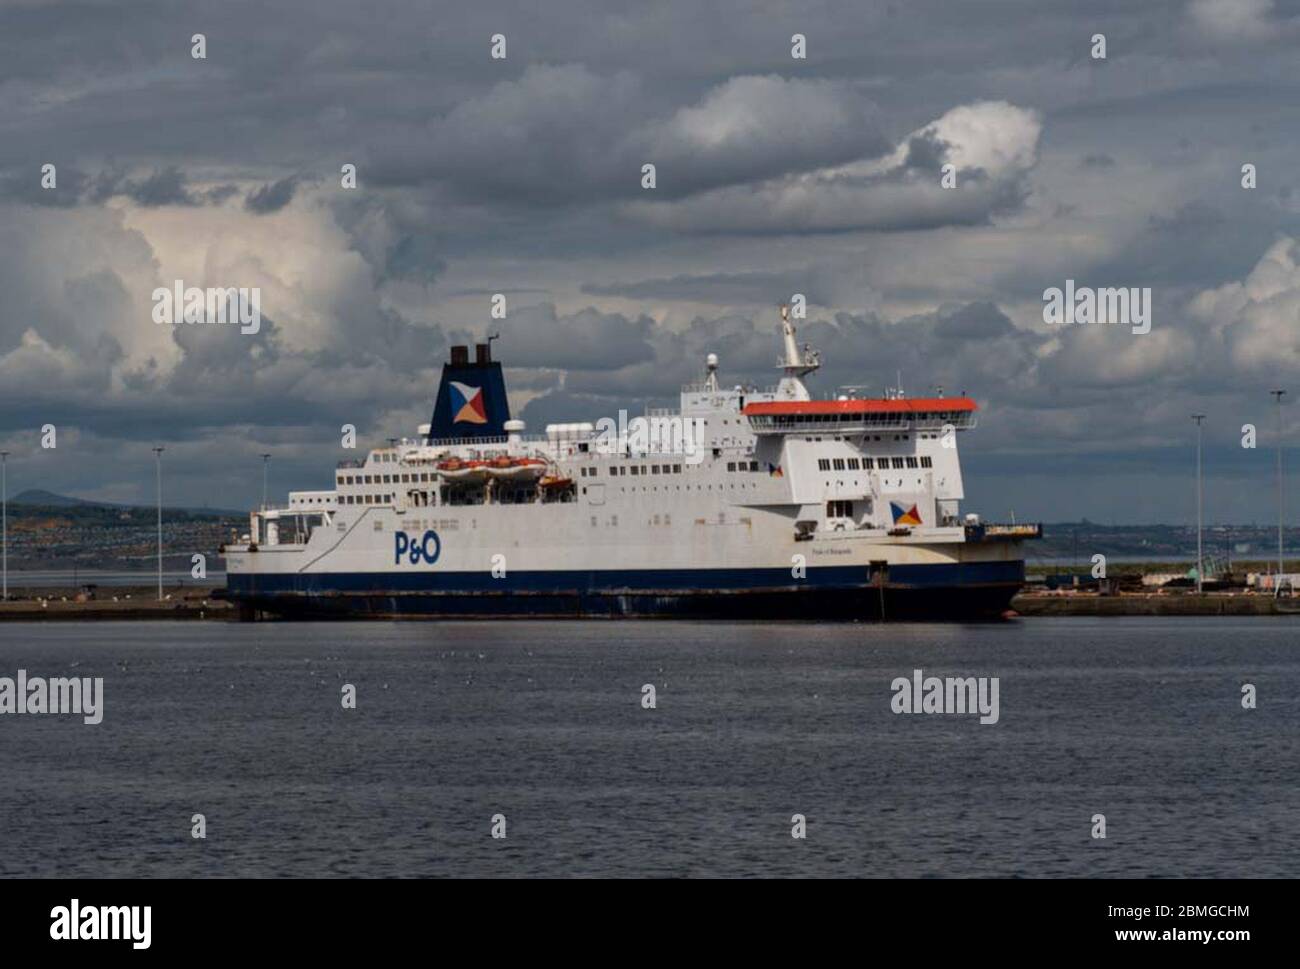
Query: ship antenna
x,y
794,363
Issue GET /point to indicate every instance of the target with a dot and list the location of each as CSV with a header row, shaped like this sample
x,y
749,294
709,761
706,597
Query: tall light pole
x,y
266,460
1277,396
4,519
1200,558
157,453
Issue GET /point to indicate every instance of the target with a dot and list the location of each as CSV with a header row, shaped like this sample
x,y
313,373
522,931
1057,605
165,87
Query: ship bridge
x,y
855,416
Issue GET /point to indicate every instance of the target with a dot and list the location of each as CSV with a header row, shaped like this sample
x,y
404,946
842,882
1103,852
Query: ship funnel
x,y
471,401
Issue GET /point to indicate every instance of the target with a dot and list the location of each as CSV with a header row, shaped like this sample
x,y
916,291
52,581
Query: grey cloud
x,y
974,321
523,176
899,193
24,185
219,194
586,340
271,197
838,204
560,134
725,288
164,187
396,241
415,256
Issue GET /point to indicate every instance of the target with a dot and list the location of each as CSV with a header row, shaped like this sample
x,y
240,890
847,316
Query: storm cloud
x,y
921,177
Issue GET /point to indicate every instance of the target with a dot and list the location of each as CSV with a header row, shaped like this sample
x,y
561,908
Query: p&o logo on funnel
x,y
467,404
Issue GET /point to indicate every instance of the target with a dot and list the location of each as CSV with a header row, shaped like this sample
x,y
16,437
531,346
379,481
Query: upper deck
x,y
853,415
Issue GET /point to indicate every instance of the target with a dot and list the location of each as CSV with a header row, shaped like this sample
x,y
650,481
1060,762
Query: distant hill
x,y
39,498
48,499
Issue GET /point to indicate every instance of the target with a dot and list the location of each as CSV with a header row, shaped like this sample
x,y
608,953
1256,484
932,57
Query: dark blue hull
x,y
919,592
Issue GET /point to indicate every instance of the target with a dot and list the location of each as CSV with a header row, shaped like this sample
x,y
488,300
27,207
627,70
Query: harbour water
x,y
1137,719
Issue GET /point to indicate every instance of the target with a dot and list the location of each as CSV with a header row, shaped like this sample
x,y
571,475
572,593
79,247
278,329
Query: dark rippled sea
x,y
1137,719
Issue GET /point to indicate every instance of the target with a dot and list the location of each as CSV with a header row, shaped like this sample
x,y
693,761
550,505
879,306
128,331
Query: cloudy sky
x,y
774,176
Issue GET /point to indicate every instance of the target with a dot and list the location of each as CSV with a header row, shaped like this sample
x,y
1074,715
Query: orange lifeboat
x,y
554,481
516,469
455,469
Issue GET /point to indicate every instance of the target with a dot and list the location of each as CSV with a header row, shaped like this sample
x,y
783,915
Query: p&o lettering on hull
x,y
414,550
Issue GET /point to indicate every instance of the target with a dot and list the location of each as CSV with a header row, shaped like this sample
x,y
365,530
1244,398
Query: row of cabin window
x,y
411,478
617,469
365,499
869,464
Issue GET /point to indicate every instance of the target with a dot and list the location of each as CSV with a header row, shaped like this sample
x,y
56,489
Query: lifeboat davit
x,y
454,469
516,469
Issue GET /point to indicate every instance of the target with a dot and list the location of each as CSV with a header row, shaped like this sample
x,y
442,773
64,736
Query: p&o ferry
x,y
743,503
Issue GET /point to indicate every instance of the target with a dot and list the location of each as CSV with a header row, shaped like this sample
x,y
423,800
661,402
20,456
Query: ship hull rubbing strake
x,y
762,504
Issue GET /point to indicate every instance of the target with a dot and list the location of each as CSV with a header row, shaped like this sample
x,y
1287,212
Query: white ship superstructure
x,y
744,502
